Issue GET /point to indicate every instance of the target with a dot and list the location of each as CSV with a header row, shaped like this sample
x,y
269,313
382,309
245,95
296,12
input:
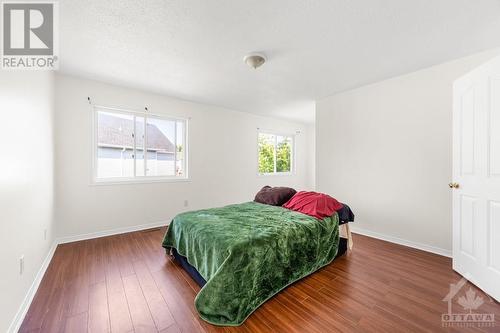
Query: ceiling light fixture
x,y
254,60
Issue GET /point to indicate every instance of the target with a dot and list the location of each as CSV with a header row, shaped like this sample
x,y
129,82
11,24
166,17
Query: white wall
x,y
26,183
386,150
311,156
222,160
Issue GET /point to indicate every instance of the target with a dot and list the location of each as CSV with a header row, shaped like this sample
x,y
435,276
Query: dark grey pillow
x,y
274,196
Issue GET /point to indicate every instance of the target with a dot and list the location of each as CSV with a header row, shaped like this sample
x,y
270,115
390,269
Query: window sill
x,y
137,181
279,174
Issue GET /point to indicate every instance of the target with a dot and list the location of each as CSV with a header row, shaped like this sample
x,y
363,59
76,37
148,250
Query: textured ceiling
x,y
194,49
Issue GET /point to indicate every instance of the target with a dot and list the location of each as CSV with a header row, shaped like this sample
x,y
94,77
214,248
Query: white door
x,y
476,177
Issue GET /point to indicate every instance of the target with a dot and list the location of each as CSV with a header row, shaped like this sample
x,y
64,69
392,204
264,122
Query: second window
x,y
275,153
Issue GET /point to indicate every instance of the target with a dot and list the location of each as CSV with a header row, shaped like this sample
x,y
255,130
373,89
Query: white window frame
x,y
136,179
292,153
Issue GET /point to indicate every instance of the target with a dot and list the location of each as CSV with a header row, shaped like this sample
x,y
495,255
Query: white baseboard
x,y
25,305
23,309
111,232
400,241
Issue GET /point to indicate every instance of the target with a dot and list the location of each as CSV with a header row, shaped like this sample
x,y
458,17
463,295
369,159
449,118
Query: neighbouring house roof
x,y
117,132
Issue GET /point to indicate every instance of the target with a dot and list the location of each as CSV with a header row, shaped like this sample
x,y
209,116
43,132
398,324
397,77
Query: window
x,y
132,146
275,153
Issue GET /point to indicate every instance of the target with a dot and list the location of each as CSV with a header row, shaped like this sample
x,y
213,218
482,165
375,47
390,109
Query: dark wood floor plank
x,y
97,267
123,254
171,329
379,320
153,254
77,323
283,321
54,321
77,284
317,323
139,310
157,306
98,309
119,313
179,298
126,283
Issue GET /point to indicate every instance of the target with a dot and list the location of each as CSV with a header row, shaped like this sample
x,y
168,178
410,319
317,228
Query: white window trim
x,y
94,180
292,153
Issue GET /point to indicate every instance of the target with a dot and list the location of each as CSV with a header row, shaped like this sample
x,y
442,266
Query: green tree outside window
x,y
275,153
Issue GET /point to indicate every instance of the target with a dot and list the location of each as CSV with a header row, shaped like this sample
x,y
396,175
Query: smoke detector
x,y
254,60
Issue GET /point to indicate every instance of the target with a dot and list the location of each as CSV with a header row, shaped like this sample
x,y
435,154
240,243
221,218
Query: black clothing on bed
x,y
345,214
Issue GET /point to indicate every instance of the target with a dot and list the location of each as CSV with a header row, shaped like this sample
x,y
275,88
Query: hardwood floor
x,y
127,283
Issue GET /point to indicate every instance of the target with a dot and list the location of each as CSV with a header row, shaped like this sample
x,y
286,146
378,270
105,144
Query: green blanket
x,y
248,252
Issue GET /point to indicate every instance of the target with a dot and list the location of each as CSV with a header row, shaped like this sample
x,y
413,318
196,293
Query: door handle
x,y
454,185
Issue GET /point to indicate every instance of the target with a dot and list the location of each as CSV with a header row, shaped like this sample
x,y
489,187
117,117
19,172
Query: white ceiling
x,y
193,49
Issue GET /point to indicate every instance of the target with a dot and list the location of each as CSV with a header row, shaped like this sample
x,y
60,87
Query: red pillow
x,y
315,204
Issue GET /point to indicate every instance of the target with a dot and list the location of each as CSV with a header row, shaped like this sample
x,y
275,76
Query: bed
x,y
244,254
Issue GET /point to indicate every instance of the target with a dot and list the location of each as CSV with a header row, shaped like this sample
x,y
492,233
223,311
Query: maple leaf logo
x,y
470,301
